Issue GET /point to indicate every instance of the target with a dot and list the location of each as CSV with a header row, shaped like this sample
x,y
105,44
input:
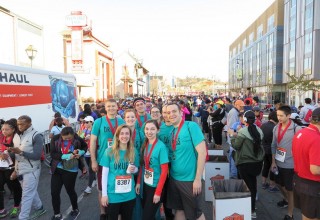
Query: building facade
x,y
301,45
16,34
256,57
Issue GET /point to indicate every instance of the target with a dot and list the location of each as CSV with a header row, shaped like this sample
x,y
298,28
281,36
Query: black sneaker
x,y
282,204
74,214
103,217
287,217
57,217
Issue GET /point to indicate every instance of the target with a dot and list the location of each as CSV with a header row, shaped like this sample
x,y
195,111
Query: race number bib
x,y
109,142
280,154
148,176
123,184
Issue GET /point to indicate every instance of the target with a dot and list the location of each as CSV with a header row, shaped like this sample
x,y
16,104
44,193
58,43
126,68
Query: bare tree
x,y
301,84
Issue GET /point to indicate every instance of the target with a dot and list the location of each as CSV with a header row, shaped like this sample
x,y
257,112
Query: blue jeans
x,y
232,165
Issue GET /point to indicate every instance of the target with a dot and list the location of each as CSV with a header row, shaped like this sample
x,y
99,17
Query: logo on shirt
x,y
121,165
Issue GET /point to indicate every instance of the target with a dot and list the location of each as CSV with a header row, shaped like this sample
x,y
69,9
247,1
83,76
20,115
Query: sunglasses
x,y
87,122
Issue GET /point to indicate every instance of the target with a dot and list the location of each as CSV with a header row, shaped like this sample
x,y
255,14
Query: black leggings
x,y
59,178
14,185
217,128
125,209
92,174
249,172
149,208
267,161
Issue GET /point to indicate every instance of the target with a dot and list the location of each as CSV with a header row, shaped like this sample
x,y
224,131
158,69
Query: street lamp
x,y
239,74
225,89
31,53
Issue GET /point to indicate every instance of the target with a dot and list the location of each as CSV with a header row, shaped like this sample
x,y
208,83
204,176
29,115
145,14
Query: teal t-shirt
x,y
158,157
67,157
102,130
184,158
165,134
143,119
138,140
117,170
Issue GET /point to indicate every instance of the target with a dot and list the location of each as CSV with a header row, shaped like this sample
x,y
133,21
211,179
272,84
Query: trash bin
x,y
231,200
215,166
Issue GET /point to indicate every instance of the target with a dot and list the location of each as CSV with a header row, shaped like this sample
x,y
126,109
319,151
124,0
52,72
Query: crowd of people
x,y
147,155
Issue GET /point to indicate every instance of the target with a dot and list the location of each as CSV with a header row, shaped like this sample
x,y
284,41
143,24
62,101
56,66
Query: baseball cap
x,y
220,102
89,118
256,108
139,99
239,102
316,114
294,116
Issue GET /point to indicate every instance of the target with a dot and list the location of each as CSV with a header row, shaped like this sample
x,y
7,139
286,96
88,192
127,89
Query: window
x,y
292,50
244,44
307,65
251,36
308,15
270,23
260,31
308,43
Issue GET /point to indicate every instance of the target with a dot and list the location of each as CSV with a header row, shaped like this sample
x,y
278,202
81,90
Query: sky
x,y
173,37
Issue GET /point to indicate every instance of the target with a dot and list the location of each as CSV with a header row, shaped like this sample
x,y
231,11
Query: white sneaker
x,y
94,183
87,190
253,215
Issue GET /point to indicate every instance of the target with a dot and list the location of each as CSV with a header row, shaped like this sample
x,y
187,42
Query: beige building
x,y
256,57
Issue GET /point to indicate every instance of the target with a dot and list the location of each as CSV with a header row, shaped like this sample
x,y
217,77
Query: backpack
x,y
308,116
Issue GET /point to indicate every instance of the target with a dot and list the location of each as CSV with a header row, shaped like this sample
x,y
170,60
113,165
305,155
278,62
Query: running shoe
x,y
273,189
282,204
253,215
265,185
37,213
287,217
74,214
57,217
94,183
14,212
88,190
3,213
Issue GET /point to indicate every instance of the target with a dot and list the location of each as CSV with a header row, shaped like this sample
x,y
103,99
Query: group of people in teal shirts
x,y
134,155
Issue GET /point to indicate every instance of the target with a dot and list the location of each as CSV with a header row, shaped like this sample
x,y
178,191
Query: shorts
x,y
99,178
180,197
285,178
307,196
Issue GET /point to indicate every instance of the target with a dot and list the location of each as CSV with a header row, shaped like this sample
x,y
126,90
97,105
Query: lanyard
x,y
134,135
113,129
147,157
174,139
139,120
281,134
64,149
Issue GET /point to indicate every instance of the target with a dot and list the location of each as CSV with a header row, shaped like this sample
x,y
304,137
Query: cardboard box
x,y
215,152
231,200
216,166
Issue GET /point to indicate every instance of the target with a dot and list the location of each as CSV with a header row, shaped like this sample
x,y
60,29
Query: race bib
x,y
280,154
148,176
109,142
123,184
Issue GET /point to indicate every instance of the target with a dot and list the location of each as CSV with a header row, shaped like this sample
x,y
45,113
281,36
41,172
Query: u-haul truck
x,y
38,94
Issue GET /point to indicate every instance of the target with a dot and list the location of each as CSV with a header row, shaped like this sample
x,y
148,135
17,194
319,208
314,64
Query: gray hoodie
x,y
285,143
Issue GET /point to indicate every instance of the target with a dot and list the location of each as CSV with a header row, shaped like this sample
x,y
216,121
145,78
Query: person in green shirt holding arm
x,y
154,159
187,155
119,163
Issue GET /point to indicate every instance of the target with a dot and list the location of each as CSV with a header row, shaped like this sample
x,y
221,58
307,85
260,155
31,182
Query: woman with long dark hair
x,y
9,138
154,160
249,154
